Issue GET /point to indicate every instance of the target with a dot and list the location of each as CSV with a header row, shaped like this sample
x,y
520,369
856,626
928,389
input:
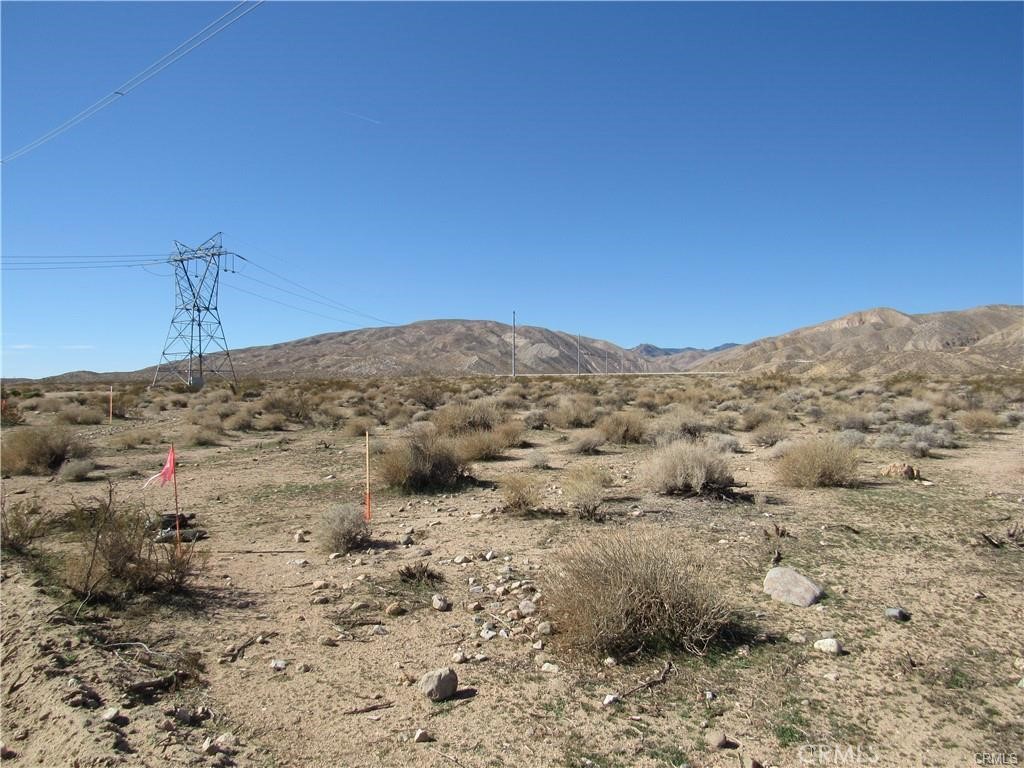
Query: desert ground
x,y
266,643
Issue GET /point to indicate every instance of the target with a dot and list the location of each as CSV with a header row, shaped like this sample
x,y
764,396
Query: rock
x,y
111,715
459,657
549,668
797,638
474,606
489,555
440,684
538,645
545,628
421,736
278,665
611,661
6,753
210,747
829,645
1020,683
897,614
359,605
378,629
335,555
320,600
328,641
460,559
718,740
789,586
901,469
394,609
319,584
610,699
441,603
527,607
300,538
488,634
749,762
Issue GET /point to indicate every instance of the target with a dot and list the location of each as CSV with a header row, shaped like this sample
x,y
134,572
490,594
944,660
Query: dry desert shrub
x,y
769,433
241,420
76,470
521,494
344,528
535,419
10,413
913,411
21,523
584,490
422,462
755,416
359,426
539,460
480,445
623,427
684,467
818,462
614,593
849,418
511,433
573,412
201,436
681,423
979,421
79,414
460,418
721,443
271,422
119,552
39,450
587,443
134,438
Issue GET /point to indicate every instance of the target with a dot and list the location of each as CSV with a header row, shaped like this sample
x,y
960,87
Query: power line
x,y
118,265
290,306
206,33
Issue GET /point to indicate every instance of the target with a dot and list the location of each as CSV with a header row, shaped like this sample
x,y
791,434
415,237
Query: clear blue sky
x,y
680,174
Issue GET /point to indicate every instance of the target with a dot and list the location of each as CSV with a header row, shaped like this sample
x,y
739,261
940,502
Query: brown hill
x,y
883,341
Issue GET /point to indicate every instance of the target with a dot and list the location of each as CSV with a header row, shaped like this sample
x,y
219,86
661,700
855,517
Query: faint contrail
x,y
362,117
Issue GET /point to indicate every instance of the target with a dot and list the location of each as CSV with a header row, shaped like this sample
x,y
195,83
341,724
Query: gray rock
x,y
829,645
897,614
544,628
422,736
717,740
406,540
527,607
278,665
111,715
789,586
460,657
549,668
748,762
328,641
440,684
441,603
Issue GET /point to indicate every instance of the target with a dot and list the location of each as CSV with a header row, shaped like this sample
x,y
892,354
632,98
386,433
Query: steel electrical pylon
x,y
196,329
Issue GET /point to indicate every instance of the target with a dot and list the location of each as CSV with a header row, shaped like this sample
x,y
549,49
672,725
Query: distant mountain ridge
x,y
877,341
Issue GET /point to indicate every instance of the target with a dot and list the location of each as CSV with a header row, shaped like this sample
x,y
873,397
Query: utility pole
x,y
195,325
577,354
513,343
606,361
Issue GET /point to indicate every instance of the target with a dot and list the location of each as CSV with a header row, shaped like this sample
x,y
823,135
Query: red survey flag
x,y
167,473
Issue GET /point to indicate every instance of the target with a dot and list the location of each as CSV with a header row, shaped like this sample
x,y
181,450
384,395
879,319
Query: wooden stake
x,y
366,513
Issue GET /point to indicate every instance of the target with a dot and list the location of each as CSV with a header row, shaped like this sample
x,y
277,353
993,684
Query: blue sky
x,y
679,174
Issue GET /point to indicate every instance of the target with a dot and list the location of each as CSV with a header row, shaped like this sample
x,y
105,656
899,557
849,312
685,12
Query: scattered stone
x,y
1018,663
406,540
278,665
210,747
1020,683
897,614
459,657
749,762
829,645
611,661
6,753
440,684
544,628
527,607
718,740
480,657
488,634
300,538
421,736
789,586
832,677
549,668
901,469
394,609
330,477
110,715
319,584
305,667
609,699
335,555
474,606
489,555
460,559
441,603
320,600
359,605
798,638
328,641
538,645
378,629
302,563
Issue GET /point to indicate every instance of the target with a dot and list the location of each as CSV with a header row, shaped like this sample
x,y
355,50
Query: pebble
x,y
460,559
359,605
421,736
488,634
440,684
328,641
459,657
609,699
829,645
611,661
527,607
441,603
897,614
538,645
300,538
111,715
319,584
334,555
394,609
549,668
717,740
320,600
278,665
797,638
474,606
544,628
378,629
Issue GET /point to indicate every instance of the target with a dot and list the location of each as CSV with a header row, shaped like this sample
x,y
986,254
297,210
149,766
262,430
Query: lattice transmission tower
x,y
196,330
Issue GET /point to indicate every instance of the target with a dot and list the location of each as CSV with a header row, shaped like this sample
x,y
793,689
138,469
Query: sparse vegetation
x,y
818,462
684,467
21,523
521,494
39,450
621,592
584,490
344,528
422,462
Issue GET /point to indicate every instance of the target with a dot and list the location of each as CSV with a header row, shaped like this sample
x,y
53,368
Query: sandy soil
x,y
939,690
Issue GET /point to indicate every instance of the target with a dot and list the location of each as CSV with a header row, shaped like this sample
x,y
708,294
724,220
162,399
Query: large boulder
x,y
790,586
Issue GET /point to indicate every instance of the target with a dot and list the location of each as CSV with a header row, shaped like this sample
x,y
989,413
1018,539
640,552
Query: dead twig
x,y
445,754
649,683
239,650
369,708
149,687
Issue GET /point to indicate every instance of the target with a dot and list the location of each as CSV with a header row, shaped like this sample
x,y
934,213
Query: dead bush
x,y
422,462
120,553
79,414
721,443
201,436
460,418
511,433
616,593
76,470
913,411
769,433
684,467
587,443
584,490
482,445
39,450
10,414
573,412
271,422
344,528
134,438
624,427
979,422
359,426
521,494
539,460
681,423
21,523
818,462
